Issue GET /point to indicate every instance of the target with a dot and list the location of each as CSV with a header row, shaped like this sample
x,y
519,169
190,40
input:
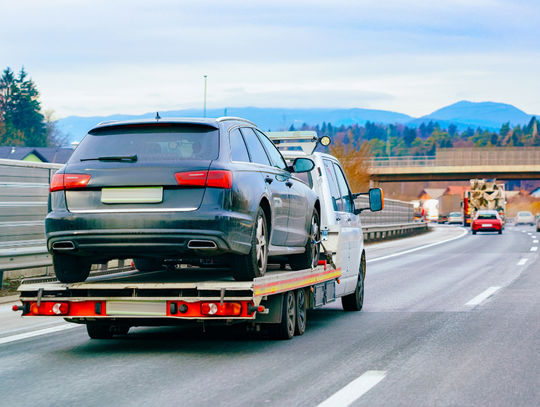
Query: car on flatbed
x,y
159,191
277,301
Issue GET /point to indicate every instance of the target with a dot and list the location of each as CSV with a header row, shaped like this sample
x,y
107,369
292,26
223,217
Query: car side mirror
x,y
376,199
302,164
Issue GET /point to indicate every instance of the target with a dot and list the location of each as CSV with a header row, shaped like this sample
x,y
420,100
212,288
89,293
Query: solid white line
x,y
465,232
354,390
534,248
522,262
46,331
485,295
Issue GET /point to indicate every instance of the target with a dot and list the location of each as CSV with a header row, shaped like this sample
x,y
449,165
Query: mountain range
x,y
488,115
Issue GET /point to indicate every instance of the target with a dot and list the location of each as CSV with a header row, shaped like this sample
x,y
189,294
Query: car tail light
x,y
68,181
210,179
50,308
227,309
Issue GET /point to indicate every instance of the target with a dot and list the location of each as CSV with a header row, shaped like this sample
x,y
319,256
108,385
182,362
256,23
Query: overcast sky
x,y
410,56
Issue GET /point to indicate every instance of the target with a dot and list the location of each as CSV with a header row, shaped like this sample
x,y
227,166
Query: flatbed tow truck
x,y
111,304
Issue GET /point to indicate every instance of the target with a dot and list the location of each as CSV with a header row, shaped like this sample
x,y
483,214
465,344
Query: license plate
x,y
487,225
132,195
137,308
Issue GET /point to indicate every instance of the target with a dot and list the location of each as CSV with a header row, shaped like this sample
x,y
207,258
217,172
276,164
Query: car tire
x,y
310,258
355,301
253,265
99,331
474,232
500,232
146,265
70,269
285,329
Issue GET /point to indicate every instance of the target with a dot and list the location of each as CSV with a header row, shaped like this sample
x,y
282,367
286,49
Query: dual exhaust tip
x,y
192,244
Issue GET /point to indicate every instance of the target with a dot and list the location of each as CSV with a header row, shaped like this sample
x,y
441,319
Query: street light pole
x,y
204,96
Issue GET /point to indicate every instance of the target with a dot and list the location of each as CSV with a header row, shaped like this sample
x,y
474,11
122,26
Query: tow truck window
x,y
238,147
256,150
273,152
346,201
334,191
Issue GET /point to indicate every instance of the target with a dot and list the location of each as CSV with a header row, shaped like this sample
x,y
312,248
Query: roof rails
x,y
226,118
306,140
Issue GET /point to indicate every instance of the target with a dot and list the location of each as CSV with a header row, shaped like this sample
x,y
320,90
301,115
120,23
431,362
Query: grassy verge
x,y
10,288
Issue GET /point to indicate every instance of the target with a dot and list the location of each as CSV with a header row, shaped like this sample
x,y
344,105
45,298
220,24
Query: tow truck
x,y
110,305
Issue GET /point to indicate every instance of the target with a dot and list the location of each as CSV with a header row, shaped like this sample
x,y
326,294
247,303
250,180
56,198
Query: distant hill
x,y
463,114
484,114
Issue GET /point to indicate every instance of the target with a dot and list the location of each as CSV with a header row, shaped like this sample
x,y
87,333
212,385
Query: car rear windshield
x,y
487,216
524,214
163,142
454,214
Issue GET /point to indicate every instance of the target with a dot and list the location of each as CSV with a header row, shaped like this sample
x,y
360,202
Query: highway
x,y
449,319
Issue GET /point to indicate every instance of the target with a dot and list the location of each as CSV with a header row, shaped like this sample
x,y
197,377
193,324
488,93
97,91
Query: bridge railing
x,y
481,156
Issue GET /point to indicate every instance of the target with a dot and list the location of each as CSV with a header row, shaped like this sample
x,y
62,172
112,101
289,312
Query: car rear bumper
x,y
158,235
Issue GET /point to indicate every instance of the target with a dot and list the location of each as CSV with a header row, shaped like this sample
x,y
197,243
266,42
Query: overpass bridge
x,y
459,164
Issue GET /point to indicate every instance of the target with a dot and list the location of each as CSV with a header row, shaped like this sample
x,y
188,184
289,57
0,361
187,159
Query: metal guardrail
x,y
24,189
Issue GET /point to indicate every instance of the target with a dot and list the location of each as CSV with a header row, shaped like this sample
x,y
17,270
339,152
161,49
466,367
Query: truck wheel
x,y
70,269
355,301
310,258
146,265
99,331
301,312
252,265
285,329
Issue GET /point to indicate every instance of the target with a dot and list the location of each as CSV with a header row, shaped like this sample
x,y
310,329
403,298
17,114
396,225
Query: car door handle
x,y
288,183
269,179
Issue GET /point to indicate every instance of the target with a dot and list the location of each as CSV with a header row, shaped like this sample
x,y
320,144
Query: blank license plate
x,y
132,195
134,308
487,225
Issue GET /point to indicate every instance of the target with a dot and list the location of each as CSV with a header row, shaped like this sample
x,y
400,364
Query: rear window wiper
x,y
129,158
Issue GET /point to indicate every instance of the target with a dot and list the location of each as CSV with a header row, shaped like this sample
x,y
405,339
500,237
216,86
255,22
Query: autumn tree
x,y
355,162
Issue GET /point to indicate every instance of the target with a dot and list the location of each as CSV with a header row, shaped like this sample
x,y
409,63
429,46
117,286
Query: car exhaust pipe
x,y
65,245
202,245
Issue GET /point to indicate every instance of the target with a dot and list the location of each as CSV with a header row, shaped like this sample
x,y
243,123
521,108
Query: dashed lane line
x,y
522,262
354,390
534,248
485,295
32,334
535,241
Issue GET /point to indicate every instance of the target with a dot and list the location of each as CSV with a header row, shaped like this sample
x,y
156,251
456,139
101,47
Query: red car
x,y
487,221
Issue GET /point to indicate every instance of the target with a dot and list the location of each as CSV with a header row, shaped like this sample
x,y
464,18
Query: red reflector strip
x,y
210,179
232,309
68,181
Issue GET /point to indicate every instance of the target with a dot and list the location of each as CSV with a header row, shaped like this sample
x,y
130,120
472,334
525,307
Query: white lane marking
x,y
523,231
465,232
354,390
522,262
529,234
534,248
534,237
46,331
485,295
535,241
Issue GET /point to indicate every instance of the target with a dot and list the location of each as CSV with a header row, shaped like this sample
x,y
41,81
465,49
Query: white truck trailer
x,y
110,305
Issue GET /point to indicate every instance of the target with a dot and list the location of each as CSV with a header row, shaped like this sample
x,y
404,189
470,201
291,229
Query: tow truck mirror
x,y
302,164
376,199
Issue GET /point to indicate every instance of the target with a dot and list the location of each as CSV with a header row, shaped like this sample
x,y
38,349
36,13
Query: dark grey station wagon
x,y
155,190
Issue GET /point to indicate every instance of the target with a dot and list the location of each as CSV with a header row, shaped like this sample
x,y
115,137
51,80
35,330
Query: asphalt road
x,y
452,324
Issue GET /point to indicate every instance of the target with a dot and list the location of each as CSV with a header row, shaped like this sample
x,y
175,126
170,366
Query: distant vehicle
x,y
524,218
487,221
485,194
165,189
431,210
455,217
448,204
